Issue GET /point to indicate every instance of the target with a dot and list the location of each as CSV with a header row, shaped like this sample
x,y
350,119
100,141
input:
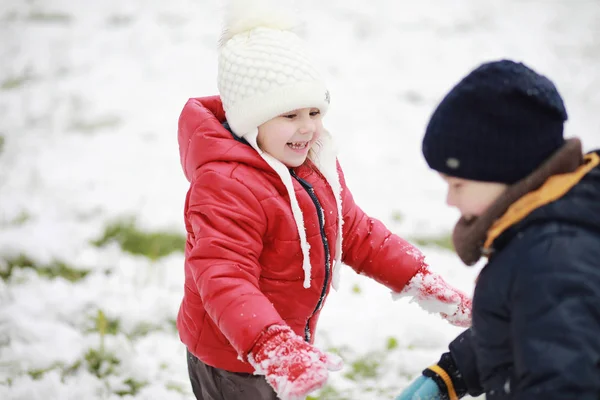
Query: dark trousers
x,y
209,383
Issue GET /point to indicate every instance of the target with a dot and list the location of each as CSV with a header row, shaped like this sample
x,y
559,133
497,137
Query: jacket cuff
x,y
448,378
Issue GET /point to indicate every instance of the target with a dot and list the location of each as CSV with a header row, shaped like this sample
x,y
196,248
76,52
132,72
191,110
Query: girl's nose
x,y
307,126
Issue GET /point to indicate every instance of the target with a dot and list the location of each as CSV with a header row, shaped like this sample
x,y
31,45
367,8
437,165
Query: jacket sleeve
x,y
462,352
456,373
555,305
371,249
228,223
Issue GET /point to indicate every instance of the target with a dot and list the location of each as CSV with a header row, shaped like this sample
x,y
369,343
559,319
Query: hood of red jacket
x,y
203,138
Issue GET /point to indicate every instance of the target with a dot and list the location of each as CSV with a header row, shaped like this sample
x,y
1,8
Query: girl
x,y
270,220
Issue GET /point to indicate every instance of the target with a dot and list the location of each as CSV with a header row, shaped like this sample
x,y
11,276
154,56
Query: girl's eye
x,y
289,116
314,113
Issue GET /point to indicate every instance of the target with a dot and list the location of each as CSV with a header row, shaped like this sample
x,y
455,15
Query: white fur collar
x,y
325,159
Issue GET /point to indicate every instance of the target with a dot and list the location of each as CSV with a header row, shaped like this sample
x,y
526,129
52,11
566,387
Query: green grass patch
x,y
37,374
15,82
50,17
176,387
71,369
119,20
104,325
329,393
397,216
144,329
366,367
61,269
94,125
391,344
133,387
20,219
173,324
101,363
98,361
343,351
363,374
444,241
56,269
65,370
153,245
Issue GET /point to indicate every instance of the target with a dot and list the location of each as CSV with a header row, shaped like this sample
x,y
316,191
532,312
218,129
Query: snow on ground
x,y
89,99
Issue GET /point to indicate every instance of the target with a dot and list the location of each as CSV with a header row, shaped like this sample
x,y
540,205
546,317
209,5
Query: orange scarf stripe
x,y
553,189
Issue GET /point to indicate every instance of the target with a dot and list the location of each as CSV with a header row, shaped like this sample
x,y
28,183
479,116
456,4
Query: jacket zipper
x,y
320,214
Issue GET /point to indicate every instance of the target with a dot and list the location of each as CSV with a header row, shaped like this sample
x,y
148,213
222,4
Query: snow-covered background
x,y
90,93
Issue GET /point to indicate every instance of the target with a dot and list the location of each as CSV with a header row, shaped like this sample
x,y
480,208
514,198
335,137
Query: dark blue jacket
x,y
536,307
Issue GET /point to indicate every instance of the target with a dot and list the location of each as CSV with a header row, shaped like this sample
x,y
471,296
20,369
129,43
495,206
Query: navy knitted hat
x,y
498,124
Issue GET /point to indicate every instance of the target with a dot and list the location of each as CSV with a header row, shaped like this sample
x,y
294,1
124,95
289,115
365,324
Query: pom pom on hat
x,y
245,15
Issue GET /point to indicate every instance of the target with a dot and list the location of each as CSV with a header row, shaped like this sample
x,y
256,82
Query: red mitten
x,y
433,294
293,367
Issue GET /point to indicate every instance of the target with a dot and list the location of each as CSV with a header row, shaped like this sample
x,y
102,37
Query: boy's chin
x,y
469,217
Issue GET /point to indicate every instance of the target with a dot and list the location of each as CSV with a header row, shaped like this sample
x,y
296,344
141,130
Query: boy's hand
x,y
433,294
293,367
441,381
422,388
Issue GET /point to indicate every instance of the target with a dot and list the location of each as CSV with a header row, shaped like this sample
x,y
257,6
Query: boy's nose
x,y
450,199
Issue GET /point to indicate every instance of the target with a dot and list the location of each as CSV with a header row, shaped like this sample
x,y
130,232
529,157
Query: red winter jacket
x,y
243,261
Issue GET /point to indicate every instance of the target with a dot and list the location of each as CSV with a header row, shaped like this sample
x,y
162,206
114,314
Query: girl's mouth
x,y
297,145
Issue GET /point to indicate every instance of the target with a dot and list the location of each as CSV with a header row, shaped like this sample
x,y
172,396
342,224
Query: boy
x,y
530,202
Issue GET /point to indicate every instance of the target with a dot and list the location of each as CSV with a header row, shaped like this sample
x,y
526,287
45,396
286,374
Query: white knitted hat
x,y
265,71
264,67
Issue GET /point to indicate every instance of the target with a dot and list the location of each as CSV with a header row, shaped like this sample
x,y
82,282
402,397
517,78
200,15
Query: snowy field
x,y
91,190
